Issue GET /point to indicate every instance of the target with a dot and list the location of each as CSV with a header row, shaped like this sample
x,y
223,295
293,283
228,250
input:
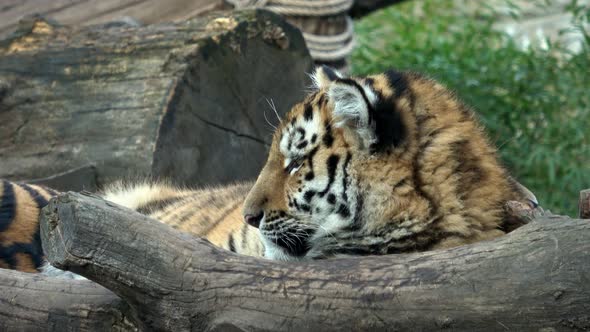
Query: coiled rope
x,y
323,48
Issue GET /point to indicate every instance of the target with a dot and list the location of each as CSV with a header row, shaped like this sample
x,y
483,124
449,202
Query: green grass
x,y
535,103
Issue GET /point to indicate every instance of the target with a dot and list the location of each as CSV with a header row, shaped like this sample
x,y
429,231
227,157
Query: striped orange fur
x,y
382,164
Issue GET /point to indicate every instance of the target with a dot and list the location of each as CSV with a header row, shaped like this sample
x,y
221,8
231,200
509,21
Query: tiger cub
x,y
388,163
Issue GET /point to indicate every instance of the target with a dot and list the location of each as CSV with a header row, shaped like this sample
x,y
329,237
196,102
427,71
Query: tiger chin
x,y
383,164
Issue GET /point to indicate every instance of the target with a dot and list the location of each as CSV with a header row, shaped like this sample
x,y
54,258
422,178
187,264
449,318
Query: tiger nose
x,y
254,219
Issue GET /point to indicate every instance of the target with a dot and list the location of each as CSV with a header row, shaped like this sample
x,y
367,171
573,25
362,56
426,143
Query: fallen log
x,y
77,179
33,302
184,101
84,12
534,278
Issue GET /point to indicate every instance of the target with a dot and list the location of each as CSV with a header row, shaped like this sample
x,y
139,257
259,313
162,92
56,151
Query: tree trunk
x,y
183,101
84,12
32,302
535,278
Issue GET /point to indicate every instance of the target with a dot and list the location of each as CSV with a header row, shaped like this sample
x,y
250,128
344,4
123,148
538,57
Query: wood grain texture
x,y
535,278
87,12
184,101
33,302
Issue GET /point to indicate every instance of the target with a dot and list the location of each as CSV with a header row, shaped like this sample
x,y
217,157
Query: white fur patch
x,y
350,108
321,78
136,195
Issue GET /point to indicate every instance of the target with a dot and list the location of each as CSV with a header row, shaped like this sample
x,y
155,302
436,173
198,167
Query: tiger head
x,y
308,198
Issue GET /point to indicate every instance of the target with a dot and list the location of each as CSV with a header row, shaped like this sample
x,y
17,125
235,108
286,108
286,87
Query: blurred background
x,y
524,66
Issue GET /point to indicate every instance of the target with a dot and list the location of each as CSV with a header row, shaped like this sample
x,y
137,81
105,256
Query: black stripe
x,y
343,211
331,164
400,183
232,245
39,199
398,81
52,192
308,113
389,127
308,195
417,179
7,206
221,218
36,251
158,205
8,253
328,139
301,145
330,73
310,175
331,199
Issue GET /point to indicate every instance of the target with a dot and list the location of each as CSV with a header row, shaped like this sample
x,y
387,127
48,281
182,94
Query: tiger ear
x,y
353,105
324,75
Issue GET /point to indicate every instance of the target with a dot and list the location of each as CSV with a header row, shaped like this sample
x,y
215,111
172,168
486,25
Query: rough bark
x,y
184,101
32,302
584,204
84,12
77,179
535,278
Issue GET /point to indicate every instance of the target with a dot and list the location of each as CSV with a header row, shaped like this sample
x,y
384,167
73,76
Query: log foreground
x,y
34,302
174,100
531,279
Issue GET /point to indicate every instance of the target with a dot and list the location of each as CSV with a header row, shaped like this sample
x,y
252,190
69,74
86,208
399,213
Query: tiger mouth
x,y
288,235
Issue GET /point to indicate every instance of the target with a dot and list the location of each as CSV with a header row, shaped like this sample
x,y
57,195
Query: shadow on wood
x,y
182,101
533,278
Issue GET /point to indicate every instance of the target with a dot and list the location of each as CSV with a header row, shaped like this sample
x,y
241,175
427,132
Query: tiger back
x,y
212,213
20,241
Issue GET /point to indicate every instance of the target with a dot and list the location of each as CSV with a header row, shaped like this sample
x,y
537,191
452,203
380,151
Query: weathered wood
x,y
584,204
33,302
532,279
84,12
77,179
184,101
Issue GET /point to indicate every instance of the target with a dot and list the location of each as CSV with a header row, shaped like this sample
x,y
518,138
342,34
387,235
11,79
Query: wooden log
x,y
531,279
33,302
77,179
84,12
184,101
584,204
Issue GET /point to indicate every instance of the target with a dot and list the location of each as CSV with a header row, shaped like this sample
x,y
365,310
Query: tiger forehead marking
x,y
387,163
301,132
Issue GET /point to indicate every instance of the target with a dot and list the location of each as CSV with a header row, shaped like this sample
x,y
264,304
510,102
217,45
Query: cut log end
x,y
164,101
